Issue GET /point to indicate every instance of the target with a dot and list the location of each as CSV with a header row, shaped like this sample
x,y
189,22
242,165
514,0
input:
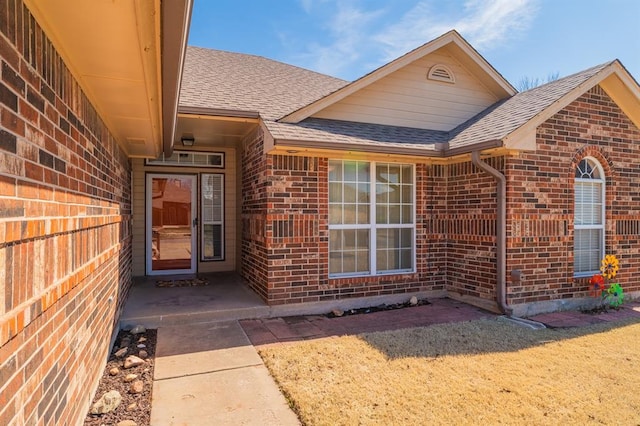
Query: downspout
x,y
501,231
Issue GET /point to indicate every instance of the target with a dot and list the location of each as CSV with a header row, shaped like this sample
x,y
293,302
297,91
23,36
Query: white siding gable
x,y
408,98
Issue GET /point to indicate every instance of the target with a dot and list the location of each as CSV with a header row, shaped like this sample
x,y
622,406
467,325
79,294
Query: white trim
x,y
148,223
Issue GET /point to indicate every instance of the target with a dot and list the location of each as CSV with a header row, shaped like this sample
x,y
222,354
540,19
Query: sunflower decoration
x,y
597,285
609,266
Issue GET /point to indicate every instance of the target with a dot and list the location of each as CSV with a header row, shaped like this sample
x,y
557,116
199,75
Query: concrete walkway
x,y
210,374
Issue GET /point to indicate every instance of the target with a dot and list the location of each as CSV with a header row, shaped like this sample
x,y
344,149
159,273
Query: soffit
x,y
113,48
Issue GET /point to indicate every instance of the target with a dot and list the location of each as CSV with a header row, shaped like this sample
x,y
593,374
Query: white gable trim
x,y
452,37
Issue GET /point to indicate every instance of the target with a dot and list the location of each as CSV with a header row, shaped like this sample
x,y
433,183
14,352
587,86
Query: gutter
x,y
501,231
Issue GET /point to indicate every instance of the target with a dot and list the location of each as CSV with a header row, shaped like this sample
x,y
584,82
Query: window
x,y
588,243
190,159
371,218
212,228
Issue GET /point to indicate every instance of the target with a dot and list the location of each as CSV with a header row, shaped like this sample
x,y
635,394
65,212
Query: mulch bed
x,y
136,407
384,307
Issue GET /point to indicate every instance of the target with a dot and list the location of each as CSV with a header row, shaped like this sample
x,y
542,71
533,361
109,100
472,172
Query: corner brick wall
x,y
469,223
254,254
65,233
540,199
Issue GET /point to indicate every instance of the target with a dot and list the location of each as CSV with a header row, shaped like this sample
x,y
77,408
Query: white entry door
x,y
171,218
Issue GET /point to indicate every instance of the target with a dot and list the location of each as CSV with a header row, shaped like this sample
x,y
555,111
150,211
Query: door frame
x,y
148,223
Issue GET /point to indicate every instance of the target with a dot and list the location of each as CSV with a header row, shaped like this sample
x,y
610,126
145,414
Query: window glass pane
x,y
363,214
363,193
394,249
382,214
394,213
394,193
587,250
335,214
212,216
407,193
407,174
350,212
407,213
335,262
335,192
350,193
350,171
335,242
335,171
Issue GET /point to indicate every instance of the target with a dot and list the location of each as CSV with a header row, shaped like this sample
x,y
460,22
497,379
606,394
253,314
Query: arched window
x,y
589,217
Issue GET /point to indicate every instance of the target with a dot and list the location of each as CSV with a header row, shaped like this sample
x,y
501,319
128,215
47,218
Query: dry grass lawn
x,y
478,372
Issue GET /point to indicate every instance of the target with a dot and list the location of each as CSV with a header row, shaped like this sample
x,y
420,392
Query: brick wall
x,y
65,245
253,216
540,191
285,233
469,222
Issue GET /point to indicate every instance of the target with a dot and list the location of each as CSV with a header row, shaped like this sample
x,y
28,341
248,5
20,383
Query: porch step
x,y
218,315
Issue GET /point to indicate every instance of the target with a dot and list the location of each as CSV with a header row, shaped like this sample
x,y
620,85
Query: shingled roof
x,y
234,82
502,118
218,80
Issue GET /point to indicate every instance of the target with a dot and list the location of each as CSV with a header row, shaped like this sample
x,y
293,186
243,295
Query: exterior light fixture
x,y
188,140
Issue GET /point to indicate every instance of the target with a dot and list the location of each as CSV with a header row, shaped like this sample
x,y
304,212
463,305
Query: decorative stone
x,y
413,301
130,377
142,345
121,352
137,386
132,406
114,371
143,354
107,403
142,339
132,361
337,313
138,329
127,423
126,341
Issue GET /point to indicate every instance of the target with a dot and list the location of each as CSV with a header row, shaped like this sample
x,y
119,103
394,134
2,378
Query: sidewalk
x,y
210,374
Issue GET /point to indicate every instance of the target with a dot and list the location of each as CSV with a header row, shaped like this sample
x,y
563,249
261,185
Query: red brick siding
x,y
540,198
286,228
65,231
469,222
254,206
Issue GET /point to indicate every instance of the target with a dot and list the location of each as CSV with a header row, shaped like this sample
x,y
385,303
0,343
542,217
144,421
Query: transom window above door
x,y
371,218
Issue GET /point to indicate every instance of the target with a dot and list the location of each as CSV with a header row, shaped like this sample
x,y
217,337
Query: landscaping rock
x,y
141,346
143,354
130,377
121,352
413,301
132,406
138,329
142,339
137,386
126,341
132,361
127,423
337,313
114,371
107,403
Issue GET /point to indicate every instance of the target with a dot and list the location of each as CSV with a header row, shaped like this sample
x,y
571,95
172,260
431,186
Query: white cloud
x,y
486,24
359,37
347,29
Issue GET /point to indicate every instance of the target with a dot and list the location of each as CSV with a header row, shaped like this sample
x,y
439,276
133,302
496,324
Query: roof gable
x,y
450,50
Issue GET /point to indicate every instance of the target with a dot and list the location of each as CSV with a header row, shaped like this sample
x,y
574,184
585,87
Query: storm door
x,y
171,221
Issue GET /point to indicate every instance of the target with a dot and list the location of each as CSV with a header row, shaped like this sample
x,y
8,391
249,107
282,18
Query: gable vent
x,y
440,72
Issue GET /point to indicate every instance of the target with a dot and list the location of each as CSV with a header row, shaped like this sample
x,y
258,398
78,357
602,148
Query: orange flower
x,y
597,285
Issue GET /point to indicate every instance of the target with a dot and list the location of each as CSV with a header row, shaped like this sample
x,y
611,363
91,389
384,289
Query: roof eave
x,y
176,18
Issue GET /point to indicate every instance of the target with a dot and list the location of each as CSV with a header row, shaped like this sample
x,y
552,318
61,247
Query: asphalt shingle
x,y
216,79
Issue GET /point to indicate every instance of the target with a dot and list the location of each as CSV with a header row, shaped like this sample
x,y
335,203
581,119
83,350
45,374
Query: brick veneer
x,y
65,231
285,218
540,198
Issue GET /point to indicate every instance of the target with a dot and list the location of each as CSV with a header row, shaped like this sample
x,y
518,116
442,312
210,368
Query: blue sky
x,y
349,38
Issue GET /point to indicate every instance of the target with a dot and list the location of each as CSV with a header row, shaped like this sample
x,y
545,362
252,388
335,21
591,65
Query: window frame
x,y
602,226
221,222
372,226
